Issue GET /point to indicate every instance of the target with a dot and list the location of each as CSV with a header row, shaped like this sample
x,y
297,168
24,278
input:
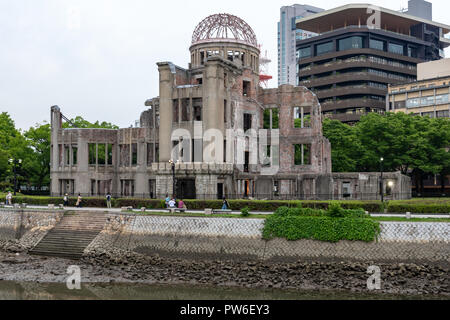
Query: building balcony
x,y
361,60
346,117
350,76
352,103
349,90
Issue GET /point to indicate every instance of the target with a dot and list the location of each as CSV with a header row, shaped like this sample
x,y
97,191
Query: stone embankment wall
x,y
22,229
240,239
231,239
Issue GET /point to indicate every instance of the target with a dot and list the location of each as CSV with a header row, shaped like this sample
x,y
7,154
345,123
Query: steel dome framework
x,y
224,26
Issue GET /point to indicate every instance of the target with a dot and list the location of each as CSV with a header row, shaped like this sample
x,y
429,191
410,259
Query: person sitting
x,y
182,205
172,203
167,200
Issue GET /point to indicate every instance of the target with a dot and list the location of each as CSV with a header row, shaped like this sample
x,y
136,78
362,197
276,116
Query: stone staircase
x,y
70,237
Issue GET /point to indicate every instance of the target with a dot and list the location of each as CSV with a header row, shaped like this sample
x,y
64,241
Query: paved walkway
x,y
118,210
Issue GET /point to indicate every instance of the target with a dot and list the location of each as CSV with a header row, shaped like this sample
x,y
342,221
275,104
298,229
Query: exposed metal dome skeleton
x,y
224,26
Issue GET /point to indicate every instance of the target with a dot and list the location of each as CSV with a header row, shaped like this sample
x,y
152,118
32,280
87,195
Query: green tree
x,y
12,145
81,123
345,145
38,138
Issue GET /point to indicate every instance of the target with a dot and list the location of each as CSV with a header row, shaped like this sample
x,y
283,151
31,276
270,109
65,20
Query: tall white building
x,y
288,34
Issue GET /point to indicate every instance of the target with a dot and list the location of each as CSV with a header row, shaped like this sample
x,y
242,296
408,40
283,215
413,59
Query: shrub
x,y
286,211
369,205
335,211
245,212
321,228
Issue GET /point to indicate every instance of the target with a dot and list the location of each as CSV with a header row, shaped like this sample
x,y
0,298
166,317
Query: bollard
x,y
143,209
51,206
208,212
23,205
61,206
124,209
2,204
408,215
16,206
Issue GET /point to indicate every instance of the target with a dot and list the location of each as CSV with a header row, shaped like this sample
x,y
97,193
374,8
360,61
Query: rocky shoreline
x,y
116,265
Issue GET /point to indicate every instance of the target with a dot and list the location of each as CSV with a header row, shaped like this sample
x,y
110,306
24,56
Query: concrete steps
x,y
70,237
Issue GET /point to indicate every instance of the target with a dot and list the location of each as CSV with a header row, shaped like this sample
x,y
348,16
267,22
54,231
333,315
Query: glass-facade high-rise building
x,y
352,60
288,34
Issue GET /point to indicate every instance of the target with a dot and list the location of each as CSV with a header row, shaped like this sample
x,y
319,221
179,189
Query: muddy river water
x,y
11,290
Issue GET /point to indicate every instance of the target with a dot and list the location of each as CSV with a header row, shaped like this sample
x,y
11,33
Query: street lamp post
x,y
15,163
172,163
381,180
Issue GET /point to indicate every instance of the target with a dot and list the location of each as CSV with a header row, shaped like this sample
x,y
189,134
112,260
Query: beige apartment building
x,y
428,96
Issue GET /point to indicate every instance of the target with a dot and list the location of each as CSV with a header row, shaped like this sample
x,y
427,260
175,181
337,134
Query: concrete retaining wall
x,y
240,239
235,239
27,225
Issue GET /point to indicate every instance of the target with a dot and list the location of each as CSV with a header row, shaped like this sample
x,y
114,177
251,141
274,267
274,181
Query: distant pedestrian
x,y
79,199
9,198
225,204
182,205
172,203
108,200
167,201
66,200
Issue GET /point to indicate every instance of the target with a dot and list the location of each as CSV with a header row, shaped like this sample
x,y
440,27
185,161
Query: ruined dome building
x,y
227,136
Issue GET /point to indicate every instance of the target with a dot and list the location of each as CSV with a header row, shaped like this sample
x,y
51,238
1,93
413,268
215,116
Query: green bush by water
x,y
330,225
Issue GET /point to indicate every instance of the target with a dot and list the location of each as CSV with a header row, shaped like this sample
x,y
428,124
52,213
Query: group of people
x,y
79,200
77,204
171,203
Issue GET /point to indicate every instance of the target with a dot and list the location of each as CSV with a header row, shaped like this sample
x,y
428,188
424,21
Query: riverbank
x,y
224,252
130,267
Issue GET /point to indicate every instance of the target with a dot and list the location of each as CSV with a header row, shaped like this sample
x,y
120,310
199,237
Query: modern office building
x,y
288,34
357,54
428,96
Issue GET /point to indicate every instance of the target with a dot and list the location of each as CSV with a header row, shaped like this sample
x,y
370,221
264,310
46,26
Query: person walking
x,y
9,198
108,200
66,200
79,201
225,204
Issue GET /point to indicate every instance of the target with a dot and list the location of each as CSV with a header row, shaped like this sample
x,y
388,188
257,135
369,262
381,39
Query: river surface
x,y
10,290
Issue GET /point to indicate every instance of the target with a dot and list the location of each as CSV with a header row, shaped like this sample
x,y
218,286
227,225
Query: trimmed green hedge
x,y
337,213
369,205
399,207
321,228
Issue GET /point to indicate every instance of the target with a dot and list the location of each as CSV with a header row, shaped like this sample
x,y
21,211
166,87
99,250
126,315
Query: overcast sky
x,y
97,58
